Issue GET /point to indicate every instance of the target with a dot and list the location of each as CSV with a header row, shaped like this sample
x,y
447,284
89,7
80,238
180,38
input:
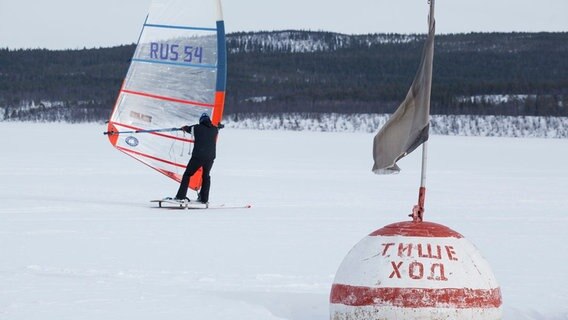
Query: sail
x,y
408,126
177,73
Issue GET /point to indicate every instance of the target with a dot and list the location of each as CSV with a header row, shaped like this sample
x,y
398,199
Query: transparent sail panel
x,y
155,79
175,65
164,154
148,113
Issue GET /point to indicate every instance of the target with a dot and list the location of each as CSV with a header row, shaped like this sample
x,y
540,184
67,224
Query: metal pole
x,y
418,210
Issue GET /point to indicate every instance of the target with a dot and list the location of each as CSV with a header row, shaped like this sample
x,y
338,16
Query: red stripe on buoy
x,y
458,298
417,229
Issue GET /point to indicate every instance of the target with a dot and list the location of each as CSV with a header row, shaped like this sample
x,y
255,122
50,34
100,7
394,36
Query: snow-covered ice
x,y
79,239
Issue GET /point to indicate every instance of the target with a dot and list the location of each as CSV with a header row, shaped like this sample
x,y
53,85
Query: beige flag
x,y
408,126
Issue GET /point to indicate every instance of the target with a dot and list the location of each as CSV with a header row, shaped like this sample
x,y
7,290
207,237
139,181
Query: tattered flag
x,y
408,126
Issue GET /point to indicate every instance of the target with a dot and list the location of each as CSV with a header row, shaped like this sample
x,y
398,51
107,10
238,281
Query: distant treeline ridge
x,y
514,74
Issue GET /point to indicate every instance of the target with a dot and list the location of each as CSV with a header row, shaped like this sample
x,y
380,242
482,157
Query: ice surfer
x,y
203,155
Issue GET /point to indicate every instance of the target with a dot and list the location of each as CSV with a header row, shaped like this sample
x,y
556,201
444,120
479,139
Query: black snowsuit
x,y
203,155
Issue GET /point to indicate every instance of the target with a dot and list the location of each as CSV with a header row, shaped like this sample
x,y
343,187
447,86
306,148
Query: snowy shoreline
x,y
452,125
447,125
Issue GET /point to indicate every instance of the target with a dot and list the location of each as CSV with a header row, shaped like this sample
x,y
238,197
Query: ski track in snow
x,y
80,240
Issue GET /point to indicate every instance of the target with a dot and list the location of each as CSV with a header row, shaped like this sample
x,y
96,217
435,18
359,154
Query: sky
x,y
71,24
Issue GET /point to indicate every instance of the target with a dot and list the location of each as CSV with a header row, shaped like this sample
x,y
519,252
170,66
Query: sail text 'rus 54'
x,y
177,73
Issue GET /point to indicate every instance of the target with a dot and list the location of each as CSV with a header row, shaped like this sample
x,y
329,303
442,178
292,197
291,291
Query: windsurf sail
x,y
177,73
408,126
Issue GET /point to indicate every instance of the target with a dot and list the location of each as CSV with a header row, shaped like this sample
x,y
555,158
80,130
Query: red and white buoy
x,y
415,270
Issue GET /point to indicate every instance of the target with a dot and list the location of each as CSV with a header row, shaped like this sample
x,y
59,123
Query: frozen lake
x,y
80,240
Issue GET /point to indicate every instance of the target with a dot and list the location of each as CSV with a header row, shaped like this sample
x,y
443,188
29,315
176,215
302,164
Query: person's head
x,y
204,118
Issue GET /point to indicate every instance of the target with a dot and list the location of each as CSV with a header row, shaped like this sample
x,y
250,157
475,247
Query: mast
x,y
219,11
221,84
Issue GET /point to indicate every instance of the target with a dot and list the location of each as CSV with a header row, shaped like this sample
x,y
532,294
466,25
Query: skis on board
x,y
171,203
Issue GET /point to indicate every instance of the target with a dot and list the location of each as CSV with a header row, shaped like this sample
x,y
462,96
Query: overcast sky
x,y
63,24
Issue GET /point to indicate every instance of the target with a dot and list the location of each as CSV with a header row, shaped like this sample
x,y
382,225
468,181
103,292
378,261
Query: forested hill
x,y
316,72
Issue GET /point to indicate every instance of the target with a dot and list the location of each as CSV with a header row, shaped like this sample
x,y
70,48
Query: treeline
x,y
481,73
463,125
317,72
68,85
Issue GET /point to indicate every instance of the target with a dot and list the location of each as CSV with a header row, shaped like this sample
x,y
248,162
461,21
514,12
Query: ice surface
x,y
79,238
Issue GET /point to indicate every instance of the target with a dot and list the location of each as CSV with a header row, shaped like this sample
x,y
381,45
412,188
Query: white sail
x,y
177,73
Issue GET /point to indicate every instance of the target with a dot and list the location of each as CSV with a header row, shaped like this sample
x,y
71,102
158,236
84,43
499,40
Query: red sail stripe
x,y
219,106
459,298
170,174
417,229
150,157
154,133
155,96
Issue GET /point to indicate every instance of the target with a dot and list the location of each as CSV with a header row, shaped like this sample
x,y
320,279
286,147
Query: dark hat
x,y
204,117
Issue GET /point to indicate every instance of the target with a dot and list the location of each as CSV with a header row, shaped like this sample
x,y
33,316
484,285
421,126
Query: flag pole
x,y
418,210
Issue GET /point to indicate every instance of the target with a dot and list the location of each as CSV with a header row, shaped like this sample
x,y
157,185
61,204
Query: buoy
x,y
415,270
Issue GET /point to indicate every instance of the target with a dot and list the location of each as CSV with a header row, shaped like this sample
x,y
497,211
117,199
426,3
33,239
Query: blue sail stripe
x,y
208,66
221,84
178,27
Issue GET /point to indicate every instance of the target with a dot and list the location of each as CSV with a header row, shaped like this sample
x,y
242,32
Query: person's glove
x,y
220,125
186,128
